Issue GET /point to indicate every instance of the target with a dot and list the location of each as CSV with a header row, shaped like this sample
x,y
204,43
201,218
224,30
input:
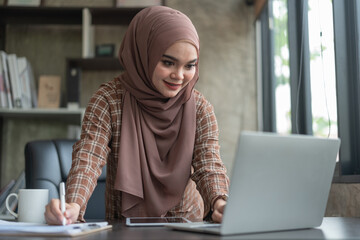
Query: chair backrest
x,y
47,164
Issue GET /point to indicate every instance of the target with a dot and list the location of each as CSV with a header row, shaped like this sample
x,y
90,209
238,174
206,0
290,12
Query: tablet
x,y
154,221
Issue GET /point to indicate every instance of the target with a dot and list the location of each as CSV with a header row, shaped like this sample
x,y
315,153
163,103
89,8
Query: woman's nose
x,y
177,75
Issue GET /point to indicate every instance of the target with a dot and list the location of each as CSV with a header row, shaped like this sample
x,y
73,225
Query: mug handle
x,y
7,204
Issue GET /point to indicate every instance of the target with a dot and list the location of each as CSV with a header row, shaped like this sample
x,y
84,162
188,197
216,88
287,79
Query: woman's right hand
x,y
54,216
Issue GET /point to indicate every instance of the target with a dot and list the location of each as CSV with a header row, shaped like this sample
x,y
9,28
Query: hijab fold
x,y
157,133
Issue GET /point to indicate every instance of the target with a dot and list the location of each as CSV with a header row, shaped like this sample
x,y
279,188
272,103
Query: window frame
x,y
268,76
346,35
299,54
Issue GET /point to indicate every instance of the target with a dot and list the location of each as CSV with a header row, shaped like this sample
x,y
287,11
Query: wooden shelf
x,y
65,15
40,15
99,63
113,16
63,114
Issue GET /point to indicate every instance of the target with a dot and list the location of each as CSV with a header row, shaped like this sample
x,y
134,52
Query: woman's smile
x,y
172,86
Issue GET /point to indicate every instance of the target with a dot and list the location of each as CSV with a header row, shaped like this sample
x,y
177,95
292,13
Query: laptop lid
x,y
279,182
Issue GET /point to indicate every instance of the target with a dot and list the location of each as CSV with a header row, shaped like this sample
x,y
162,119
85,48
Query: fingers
x,y
72,212
216,216
218,212
54,216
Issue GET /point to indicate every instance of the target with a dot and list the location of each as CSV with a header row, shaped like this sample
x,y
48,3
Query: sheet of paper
x,y
21,227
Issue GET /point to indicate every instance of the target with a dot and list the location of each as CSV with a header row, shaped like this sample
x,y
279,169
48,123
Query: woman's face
x,y
175,69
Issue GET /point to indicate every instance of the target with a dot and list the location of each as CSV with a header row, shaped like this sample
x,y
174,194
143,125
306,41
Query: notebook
x,y
278,182
24,229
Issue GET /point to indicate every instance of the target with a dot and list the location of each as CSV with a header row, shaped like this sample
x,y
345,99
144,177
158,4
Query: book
x,y
32,85
3,62
14,79
27,82
49,91
24,79
5,191
19,184
3,98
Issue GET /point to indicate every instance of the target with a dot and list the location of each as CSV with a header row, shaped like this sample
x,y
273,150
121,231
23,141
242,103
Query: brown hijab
x,y
157,133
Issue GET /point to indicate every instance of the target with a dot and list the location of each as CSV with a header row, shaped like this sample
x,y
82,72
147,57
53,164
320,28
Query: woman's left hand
x,y
218,212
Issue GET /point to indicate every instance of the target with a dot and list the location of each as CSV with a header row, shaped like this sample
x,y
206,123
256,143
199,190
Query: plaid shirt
x,y
99,145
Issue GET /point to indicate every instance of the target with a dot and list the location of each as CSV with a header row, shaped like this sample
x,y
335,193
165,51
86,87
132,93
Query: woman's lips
x,y
172,86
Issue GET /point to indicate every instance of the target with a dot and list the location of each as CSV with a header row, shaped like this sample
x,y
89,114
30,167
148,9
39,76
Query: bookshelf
x,y
43,15
68,16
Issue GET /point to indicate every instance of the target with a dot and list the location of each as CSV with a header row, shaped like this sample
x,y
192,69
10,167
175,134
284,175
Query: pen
x,y
62,201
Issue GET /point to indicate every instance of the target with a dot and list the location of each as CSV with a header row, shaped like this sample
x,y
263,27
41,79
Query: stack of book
x,y
17,85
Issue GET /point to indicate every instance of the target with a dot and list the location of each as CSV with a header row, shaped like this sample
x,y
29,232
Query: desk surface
x,y
331,228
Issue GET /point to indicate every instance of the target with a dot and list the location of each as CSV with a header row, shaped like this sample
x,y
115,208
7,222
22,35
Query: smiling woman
x,y
156,133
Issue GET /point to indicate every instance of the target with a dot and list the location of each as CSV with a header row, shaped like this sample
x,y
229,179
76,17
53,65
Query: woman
x,y
156,133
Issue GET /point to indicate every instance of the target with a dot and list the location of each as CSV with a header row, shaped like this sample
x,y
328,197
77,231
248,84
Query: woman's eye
x,y
167,63
190,66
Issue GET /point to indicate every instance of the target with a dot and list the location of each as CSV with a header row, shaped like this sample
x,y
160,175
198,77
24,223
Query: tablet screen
x,y
154,221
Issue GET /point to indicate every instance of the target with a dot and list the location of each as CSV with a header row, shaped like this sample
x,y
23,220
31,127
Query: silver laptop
x,y
278,183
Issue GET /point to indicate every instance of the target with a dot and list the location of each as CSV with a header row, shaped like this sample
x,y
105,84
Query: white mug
x,y
31,205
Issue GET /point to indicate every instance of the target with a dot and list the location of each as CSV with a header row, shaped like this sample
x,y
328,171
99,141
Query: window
x,y
310,73
322,68
281,66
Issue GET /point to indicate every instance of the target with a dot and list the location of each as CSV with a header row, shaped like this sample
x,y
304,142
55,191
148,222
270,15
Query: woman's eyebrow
x,y
175,59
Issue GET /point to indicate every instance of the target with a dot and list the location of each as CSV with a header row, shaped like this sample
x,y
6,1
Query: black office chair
x,y
47,163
